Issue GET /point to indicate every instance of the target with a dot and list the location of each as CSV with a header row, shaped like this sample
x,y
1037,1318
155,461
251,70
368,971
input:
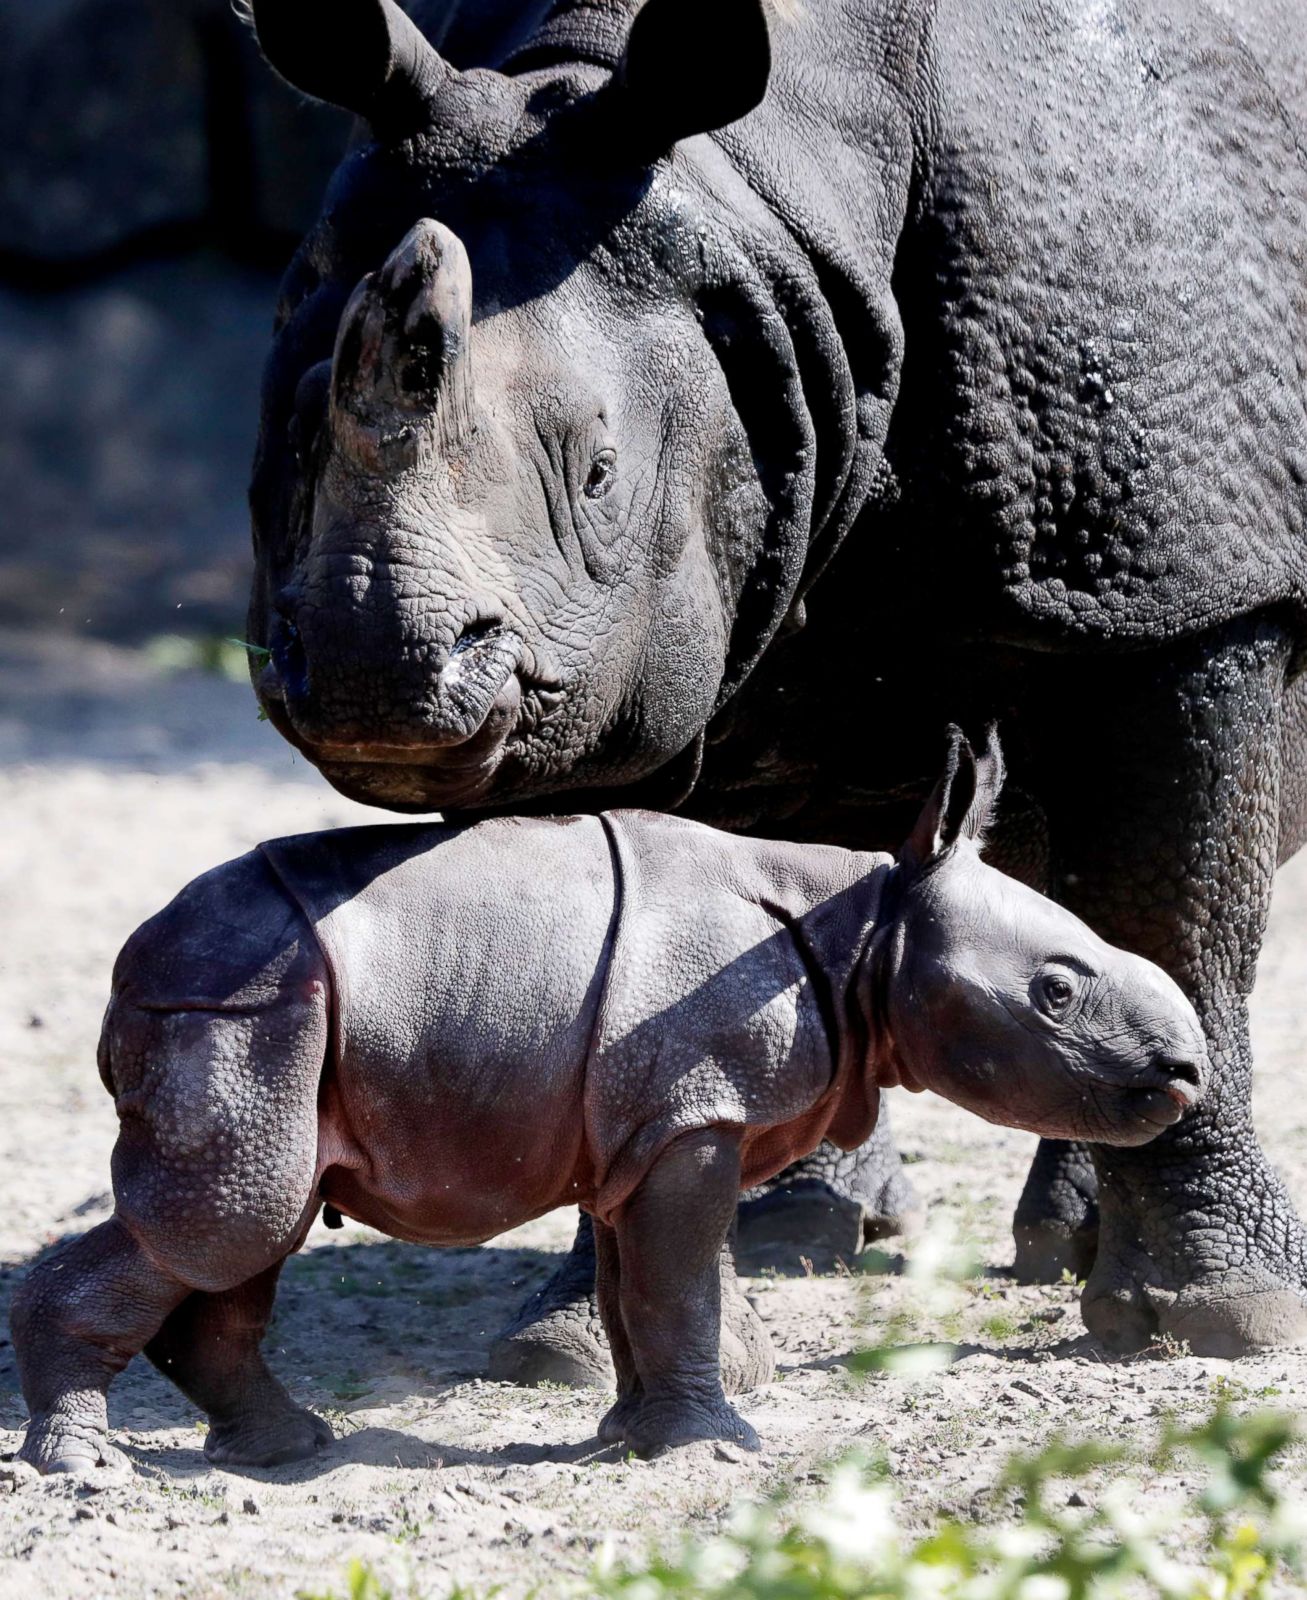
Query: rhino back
x,y
1104,413
224,942
466,965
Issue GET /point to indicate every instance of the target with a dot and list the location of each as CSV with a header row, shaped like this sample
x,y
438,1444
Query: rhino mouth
x,y
1160,1108
418,774
1167,1092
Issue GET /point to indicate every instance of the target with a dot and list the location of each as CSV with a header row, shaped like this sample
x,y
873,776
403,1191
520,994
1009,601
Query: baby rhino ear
x,y
962,803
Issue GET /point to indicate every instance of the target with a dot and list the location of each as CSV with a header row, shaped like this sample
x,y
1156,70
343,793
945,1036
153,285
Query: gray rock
x,y
125,424
124,118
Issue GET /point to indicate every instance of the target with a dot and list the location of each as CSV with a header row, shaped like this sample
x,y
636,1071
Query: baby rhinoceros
x,y
445,1031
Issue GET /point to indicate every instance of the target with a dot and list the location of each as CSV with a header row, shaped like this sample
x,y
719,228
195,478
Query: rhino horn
x,y
363,55
402,369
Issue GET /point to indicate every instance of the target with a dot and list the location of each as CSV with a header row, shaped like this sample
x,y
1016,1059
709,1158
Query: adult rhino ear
x,y
362,55
961,806
691,66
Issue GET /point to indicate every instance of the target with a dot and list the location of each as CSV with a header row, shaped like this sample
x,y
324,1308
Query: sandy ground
x,y
118,785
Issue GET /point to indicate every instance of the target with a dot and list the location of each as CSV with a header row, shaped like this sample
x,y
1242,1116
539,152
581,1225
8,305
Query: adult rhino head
x,y
536,481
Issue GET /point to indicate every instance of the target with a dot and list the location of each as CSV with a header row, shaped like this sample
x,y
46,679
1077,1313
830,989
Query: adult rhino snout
x,y
446,701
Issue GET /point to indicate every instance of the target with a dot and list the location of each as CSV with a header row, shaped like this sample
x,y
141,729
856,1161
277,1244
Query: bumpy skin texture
x,y
1056,1222
444,1032
965,374
212,1048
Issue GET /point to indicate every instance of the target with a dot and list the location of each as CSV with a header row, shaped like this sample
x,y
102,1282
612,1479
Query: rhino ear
x,y
691,66
958,808
362,55
990,773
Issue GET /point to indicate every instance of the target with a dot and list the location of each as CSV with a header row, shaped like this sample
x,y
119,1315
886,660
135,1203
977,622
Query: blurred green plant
x,y
361,1583
850,1543
1237,1537
183,652
940,1262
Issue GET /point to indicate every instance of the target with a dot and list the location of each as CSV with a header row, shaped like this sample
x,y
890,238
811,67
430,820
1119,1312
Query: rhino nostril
x,y
1180,1068
289,659
485,630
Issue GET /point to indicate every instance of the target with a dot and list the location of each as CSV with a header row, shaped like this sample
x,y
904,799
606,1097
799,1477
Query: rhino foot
x,y
665,1422
1056,1225
619,1417
267,1441
56,1444
829,1206
558,1335
1227,1315
1227,1275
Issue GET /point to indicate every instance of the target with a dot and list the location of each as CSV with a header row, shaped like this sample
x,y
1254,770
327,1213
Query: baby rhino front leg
x,y
669,1237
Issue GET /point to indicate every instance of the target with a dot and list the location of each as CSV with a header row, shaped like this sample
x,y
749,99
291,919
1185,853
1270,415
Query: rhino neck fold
x,y
873,975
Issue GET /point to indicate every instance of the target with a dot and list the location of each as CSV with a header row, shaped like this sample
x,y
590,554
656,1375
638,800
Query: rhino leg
x,y
213,1170
823,1208
79,1318
209,1347
559,1334
1056,1224
670,1237
608,1288
830,1205
1166,840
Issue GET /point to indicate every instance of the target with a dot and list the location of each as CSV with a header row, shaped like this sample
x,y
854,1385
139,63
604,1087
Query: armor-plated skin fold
x,y
446,1031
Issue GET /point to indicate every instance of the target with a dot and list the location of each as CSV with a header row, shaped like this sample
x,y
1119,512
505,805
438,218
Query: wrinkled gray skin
x,y
444,1032
942,358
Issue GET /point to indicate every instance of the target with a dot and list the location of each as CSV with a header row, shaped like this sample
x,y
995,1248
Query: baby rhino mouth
x,y
1171,1087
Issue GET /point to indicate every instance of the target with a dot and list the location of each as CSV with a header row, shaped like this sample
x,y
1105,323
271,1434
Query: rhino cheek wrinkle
x,y
445,1031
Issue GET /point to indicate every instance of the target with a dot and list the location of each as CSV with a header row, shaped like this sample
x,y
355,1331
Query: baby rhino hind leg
x,y
213,1048
78,1319
209,1347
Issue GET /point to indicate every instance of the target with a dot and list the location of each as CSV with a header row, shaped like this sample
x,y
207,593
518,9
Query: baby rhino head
x,y
1007,1004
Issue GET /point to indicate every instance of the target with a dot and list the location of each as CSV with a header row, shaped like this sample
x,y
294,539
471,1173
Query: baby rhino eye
x,y
1054,992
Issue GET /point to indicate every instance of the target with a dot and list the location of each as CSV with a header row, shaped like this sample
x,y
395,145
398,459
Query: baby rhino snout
x,y
1169,1050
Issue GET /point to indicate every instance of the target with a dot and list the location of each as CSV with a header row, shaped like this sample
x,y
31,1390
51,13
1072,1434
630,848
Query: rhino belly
x,y
453,1151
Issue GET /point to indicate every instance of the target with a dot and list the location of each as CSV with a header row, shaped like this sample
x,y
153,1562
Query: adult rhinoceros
x,y
704,406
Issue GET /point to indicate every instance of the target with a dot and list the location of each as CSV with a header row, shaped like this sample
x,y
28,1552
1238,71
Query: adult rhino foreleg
x,y
1055,1229
1166,837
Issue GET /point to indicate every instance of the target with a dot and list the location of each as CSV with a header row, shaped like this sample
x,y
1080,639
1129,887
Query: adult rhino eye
x,y
603,469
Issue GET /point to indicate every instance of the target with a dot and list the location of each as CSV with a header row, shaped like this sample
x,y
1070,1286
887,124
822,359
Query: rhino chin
x,y
404,786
